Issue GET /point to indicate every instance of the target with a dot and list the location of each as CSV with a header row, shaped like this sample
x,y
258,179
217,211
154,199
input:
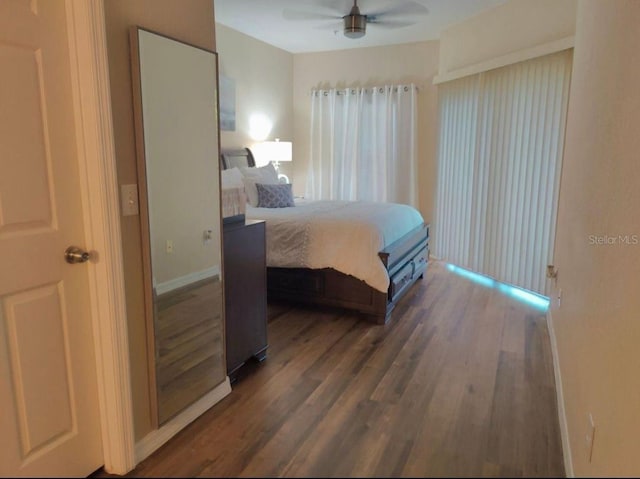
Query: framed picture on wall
x,y
227,103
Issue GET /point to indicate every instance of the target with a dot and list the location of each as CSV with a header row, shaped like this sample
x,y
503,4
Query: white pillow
x,y
266,175
231,178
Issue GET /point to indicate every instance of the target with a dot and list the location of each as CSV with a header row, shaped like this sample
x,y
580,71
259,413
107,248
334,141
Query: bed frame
x,y
406,261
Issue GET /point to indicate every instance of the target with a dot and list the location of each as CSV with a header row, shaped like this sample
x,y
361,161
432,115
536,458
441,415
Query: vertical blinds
x,y
500,155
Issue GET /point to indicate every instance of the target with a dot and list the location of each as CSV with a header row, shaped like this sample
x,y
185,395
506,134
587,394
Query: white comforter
x,y
343,235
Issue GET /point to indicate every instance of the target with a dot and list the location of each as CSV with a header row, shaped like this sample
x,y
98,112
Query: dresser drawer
x,y
415,266
400,279
420,261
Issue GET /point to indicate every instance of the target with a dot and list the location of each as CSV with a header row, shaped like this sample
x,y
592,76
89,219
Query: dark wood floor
x,y
188,342
459,383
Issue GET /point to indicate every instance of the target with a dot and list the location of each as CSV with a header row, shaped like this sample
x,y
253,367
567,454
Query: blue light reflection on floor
x,y
532,299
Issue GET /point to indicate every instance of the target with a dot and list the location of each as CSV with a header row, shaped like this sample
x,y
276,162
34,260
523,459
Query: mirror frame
x,y
144,217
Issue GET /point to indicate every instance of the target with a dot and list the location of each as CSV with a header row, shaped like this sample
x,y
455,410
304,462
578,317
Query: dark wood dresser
x,y
245,288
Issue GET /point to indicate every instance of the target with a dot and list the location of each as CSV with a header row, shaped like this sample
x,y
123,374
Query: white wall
x,y
406,63
263,77
514,26
597,325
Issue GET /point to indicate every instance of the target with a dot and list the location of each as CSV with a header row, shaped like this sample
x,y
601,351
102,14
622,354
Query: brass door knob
x,y
74,255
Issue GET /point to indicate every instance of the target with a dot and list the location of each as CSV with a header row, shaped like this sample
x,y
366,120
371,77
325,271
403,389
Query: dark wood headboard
x,y
230,158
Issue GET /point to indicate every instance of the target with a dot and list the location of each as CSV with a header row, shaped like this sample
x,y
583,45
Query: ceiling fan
x,y
355,23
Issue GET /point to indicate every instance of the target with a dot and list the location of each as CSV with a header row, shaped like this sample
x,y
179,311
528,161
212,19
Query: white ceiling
x,y
263,19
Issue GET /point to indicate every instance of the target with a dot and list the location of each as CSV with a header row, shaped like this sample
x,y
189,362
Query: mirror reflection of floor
x,y
189,345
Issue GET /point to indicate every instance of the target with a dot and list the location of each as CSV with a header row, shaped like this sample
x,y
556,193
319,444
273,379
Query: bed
x,y
359,256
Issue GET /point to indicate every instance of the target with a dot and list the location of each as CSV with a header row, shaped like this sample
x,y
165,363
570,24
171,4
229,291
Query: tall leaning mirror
x,y
177,137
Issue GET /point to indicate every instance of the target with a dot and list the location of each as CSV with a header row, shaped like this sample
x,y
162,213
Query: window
x,y
364,144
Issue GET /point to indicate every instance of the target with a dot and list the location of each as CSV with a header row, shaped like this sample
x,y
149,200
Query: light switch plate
x,y
129,199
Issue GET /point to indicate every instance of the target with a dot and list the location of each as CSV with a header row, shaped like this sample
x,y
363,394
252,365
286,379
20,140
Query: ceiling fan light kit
x,y
355,26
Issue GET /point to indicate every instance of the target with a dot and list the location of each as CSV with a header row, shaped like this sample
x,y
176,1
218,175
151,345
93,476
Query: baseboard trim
x,y
562,417
157,438
181,281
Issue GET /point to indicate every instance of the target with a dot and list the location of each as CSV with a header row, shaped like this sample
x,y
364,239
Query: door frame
x,y
101,214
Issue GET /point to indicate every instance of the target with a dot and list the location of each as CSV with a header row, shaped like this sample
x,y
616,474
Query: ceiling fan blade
x,y
330,26
300,15
339,6
407,7
390,23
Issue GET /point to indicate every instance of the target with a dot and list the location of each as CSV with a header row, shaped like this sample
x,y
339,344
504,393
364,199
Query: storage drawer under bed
x,y
415,265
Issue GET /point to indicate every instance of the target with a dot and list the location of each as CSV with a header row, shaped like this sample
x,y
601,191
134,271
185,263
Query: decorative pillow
x,y
265,175
275,196
266,172
231,178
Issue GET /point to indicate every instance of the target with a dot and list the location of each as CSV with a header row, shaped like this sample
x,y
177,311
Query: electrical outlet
x,y
589,436
169,246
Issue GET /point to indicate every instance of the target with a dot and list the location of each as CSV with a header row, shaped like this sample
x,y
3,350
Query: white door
x,y
49,412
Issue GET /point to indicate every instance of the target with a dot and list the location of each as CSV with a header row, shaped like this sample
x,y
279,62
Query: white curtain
x,y
364,144
499,162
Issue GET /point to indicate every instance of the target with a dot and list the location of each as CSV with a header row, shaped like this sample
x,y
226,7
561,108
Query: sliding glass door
x,y
499,164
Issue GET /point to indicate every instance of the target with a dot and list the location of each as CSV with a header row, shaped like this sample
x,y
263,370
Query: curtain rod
x,y
354,90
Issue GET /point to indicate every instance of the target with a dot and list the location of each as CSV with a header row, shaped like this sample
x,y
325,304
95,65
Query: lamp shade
x,y
273,151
